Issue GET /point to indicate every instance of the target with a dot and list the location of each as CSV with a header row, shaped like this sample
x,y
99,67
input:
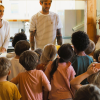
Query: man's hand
x,y
3,49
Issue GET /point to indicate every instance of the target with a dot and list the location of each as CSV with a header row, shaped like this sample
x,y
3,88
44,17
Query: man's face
x,y
46,6
1,11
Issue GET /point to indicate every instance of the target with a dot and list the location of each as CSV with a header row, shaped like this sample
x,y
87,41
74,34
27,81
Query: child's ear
x,y
9,72
69,63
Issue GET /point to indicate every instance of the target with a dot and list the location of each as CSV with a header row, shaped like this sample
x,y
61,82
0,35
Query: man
x,y
45,27
4,31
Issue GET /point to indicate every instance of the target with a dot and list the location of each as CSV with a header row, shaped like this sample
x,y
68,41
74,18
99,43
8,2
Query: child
x,y
39,52
90,48
48,54
89,92
80,61
31,81
16,68
97,55
60,73
94,78
8,90
17,37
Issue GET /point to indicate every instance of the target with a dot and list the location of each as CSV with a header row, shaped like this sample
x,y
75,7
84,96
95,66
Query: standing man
x,y
4,31
45,27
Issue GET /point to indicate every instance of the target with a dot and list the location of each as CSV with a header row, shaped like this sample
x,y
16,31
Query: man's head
x,y
21,46
29,60
45,6
5,65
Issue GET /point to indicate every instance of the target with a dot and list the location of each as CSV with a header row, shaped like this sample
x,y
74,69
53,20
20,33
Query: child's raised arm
x,y
75,83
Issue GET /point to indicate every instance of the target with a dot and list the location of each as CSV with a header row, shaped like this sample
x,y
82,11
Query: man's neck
x,y
45,13
4,78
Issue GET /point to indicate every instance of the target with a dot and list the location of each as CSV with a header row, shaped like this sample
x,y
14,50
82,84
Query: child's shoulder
x,y
10,91
89,56
7,84
81,57
71,71
41,67
35,72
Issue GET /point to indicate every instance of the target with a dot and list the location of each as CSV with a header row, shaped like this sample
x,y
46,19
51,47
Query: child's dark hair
x,y
29,60
21,46
96,54
18,37
65,53
80,40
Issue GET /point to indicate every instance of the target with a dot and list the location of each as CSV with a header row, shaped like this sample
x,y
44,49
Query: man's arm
x,y
32,34
59,37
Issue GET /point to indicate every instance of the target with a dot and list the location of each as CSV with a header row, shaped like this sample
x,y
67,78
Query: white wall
x,y
15,26
79,4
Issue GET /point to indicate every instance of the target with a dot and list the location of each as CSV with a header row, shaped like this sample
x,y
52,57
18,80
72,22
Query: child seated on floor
x,y
81,60
31,81
8,90
17,68
48,54
60,73
91,92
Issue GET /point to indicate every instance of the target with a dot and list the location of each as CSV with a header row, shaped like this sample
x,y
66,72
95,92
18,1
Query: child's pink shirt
x,y
30,84
61,81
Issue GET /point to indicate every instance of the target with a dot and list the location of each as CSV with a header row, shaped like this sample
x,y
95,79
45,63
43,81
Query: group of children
x,y
50,73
